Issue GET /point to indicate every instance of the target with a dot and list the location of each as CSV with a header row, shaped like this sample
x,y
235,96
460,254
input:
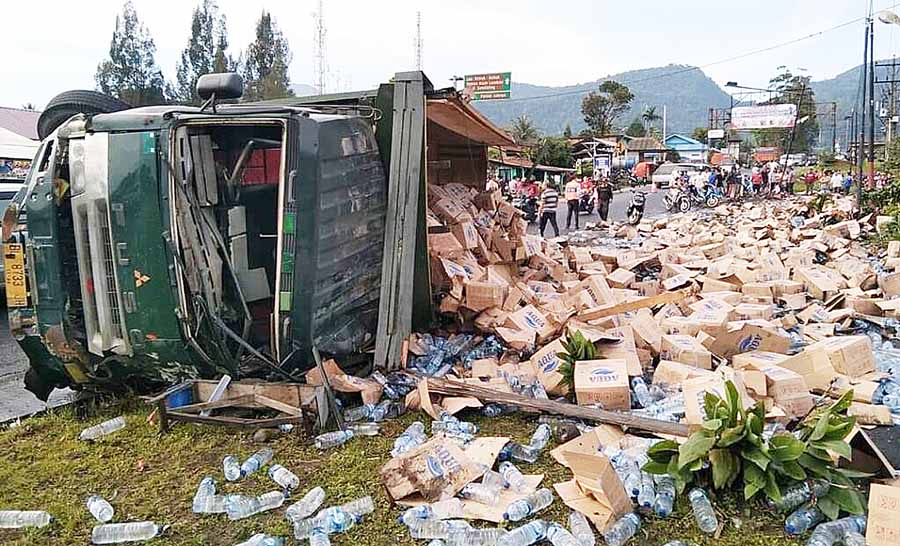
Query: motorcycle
x,y
587,203
711,196
636,208
528,206
678,199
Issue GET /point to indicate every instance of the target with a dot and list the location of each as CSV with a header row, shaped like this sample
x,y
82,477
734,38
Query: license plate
x,y
14,269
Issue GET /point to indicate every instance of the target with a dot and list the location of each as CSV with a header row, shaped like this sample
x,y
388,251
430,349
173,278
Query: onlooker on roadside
x,y
492,185
837,181
757,180
848,182
573,194
604,197
547,209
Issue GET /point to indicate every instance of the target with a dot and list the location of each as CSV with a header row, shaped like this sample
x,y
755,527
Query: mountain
x,y
686,91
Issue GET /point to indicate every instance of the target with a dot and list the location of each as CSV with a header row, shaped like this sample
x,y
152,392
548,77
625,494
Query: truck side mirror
x,y
222,85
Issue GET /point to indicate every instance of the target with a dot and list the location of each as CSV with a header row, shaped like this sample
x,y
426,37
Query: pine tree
x,y
222,61
205,51
131,74
266,63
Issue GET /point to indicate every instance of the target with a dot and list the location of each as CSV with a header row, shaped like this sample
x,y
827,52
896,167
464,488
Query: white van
x,y
664,174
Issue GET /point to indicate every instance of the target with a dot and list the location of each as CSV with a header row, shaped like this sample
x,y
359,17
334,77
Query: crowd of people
x,y
580,193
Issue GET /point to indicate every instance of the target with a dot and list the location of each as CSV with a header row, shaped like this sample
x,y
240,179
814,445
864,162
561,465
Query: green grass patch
x,y
150,476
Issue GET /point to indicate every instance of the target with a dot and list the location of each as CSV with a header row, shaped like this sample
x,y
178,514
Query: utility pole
x,y
419,40
833,127
871,101
319,54
861,141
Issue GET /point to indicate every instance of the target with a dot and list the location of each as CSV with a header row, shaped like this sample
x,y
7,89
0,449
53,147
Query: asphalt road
x,y
653,207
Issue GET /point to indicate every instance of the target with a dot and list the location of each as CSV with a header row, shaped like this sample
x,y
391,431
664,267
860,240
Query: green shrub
x,y
576,347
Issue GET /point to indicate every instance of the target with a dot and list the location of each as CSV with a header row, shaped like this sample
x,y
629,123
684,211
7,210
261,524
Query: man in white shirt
x,y
573,194
837,181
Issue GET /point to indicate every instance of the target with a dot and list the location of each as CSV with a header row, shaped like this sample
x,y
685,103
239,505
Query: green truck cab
x,y
162,243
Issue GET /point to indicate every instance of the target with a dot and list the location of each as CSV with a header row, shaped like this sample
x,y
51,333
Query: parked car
x,y
663,174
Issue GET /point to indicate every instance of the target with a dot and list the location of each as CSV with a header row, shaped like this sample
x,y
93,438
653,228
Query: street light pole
x,y
871,102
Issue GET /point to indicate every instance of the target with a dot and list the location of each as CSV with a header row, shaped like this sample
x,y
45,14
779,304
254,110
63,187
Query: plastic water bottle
x,y
17,519
641,392
113,533
628,471
262,539
270,500
525,535
523,453
364,429
240,506
541,437
492,410
284,477
530,505
306,506
446,509
232,468
333,519
318,538
665,496
560,536
359,507
677,543
333,439
474,537
802,520
435,528
622,530
581,528
213,504
840,527
256,461
103,429
436,542
481,493
358,413
513,477
493,479
795,495
657,393
647,494
100,509
854,539
703,511
412,437
386,388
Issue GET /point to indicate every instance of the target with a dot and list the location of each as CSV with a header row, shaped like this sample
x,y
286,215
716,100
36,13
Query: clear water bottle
x,y
530,505
284,477
213,504
492,410
677,543
795,495
333,439
103,429
319,538
513,477
803,519
560,536
647,493
262,539
241,506
657,393
430,528
102,510
840,527
665,496
364,429
623,529
822,537
17,519
306,506
474,537
359,413
386,388
359,507
641,392
256,461
854,539
493,479
541,437
581,528
270,500
436,542
523,454
703,511
333,519
481,493
113,533
232,468
525,535
412,437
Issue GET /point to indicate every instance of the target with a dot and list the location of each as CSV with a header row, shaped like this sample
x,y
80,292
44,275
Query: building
x,y
644,149
509,165
688,149
18,141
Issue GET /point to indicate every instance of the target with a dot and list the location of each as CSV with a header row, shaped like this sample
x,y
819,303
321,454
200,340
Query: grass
x,y
149,476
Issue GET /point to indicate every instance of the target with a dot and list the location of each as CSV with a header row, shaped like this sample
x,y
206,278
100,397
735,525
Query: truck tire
x,y
67,104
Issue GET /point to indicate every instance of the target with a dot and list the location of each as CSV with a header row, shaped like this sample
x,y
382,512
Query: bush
x,y
577,347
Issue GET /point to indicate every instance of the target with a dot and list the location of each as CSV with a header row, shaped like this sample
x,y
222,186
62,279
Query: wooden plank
x,y
456,388
292,394
401,228
278,406
652,301
237,422
244,400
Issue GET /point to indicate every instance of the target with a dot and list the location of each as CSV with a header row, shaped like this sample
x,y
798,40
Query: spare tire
x,y
67,104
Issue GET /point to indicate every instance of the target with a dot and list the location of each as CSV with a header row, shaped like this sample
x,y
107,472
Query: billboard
x,y
489,86
715,133
770,116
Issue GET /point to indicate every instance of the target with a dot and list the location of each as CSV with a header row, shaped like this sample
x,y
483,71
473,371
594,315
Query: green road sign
x,y
489,86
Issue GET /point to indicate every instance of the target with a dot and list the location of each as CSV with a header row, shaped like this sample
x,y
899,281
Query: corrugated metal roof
x,y
21,122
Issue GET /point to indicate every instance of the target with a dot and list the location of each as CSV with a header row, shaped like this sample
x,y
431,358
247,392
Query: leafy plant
x,y
730,445
818,202
576,347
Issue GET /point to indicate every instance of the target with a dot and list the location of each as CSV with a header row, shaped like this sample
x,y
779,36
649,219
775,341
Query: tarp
x,y
460,118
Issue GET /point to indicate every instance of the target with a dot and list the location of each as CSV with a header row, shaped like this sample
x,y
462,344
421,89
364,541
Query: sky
x,y
56,45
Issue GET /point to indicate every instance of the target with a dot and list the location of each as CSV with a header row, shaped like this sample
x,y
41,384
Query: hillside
x,y
688,95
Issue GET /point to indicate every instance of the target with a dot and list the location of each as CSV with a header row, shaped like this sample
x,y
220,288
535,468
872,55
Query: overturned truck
x,y
162,243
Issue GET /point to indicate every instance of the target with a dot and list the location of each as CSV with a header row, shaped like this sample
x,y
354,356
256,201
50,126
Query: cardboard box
x,y
870,414
749,311
695,390
685,349
669,372
484,295
547,362
466,234
713,323
624,349
796,406
604,382
883,528
757,359
814,366
679,325
529,318
849,355
443,244
620,278
783,383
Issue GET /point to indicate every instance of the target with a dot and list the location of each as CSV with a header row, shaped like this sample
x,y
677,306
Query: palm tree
x,y
523,131
649,116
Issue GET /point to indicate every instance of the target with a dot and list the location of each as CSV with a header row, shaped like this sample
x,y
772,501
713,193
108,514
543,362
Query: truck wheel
x,y
67,104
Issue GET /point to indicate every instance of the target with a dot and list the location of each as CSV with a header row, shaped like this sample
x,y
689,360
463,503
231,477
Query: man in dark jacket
x,y
604,196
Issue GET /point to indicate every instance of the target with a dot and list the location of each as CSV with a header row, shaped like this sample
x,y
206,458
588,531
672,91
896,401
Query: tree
x,y
649,117
205,51
601,109
523,131
795,90
700,133
567,132
131,74
28,106
266,63
553,151
636,129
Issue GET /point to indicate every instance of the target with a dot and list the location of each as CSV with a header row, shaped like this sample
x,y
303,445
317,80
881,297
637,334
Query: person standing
x,y
837,181
604,196
547,209
573,195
